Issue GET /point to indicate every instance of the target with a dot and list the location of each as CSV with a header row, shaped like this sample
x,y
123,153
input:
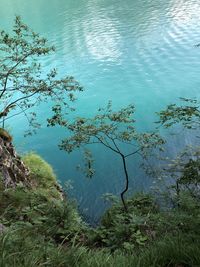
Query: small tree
x,y
23,82
115,131
185,168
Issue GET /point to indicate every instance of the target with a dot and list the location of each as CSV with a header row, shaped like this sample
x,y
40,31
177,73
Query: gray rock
x,y
12,168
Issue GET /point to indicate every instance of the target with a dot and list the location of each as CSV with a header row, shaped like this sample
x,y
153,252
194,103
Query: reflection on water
x,y
130,51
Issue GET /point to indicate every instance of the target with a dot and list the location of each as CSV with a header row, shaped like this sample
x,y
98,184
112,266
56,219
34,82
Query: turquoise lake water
x,y
129,51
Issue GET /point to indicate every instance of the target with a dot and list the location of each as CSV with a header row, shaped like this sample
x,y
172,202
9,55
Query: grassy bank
x,y
40,227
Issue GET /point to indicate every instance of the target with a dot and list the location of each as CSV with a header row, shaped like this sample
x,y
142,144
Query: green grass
x,y
43,229
41,171
17,249
42,175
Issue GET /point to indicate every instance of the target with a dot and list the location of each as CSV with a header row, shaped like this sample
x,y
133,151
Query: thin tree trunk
x,y
126,182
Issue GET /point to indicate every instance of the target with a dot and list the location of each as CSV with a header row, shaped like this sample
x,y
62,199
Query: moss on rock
x,y
42,176
5,135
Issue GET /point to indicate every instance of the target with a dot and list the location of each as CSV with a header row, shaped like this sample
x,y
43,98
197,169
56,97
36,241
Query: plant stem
x,y
126,183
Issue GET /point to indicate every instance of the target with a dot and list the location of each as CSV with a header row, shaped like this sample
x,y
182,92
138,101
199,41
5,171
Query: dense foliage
x,y
40,227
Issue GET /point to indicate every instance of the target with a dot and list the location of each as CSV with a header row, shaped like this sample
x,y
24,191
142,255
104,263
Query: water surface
x,y
130,51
